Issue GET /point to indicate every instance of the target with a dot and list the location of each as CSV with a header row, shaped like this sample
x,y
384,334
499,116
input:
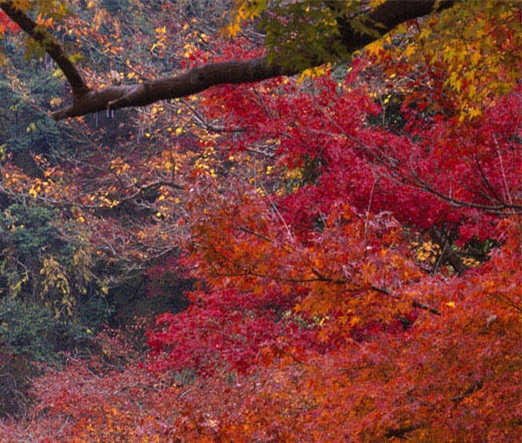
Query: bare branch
x,y
188,83
418,304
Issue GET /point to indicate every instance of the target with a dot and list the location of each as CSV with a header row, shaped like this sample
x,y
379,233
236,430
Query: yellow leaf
x,y
375,47
312,72
410,49
475,58
355,321
425,33
474,112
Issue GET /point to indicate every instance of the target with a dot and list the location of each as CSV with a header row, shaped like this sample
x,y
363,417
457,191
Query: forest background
x,y
260,221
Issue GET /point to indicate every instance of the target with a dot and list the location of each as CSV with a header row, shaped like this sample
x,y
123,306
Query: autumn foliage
x,y
352,238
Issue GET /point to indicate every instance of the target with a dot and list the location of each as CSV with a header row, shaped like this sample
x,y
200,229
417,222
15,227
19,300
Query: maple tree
x,y
353,234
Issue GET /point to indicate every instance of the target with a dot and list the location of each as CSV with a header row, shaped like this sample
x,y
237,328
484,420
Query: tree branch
x,y
447,253
188,83
381,20
49,44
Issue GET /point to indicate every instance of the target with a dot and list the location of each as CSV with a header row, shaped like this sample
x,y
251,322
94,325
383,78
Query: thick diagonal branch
x,y
381,20
188,83
49,44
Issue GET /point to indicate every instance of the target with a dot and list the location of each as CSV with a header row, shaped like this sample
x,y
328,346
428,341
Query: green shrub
x,y
28,330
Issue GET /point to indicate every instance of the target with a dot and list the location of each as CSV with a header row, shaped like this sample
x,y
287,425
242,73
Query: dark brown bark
x,y
188,83
382,20
386,17
51,46
448,255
